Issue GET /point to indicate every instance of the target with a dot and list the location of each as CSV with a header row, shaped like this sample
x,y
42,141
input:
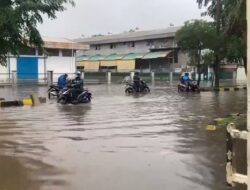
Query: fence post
x,y
14,78
132,74
109,77
50,77
153,77
171,77
83,75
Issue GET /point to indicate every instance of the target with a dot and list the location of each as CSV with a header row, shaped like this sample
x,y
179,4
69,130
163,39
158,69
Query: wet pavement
x,y
152,142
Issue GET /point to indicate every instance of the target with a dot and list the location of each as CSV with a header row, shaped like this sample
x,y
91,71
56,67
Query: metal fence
x,y
89,77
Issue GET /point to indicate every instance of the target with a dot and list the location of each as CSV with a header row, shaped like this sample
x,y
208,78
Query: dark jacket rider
x,y
77,84
78,81
137,81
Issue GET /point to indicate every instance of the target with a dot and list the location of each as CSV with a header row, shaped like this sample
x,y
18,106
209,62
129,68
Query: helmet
x,y
186,74
136,73
65,75
78,73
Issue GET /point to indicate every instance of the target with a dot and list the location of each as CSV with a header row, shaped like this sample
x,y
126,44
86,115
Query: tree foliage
x,y
233,25
18,23
195,36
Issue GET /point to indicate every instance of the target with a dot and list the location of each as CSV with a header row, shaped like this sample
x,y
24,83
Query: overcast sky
x,y
90,17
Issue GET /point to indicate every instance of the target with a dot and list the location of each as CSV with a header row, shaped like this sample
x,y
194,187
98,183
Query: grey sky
x,y
90,17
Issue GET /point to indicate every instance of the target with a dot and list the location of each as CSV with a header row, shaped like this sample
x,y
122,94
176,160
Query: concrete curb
x,y
223,89
24,102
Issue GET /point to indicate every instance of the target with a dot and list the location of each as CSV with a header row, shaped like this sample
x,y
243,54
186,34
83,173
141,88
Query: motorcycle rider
x,y
137,81
186,80
77,84
62,81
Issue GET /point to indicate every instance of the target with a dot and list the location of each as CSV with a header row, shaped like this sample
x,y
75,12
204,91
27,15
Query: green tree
x,y
18,23
214,10
194,37
230,18
235,27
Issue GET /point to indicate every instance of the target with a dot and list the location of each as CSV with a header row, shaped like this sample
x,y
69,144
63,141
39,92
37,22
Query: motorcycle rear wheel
x,y
146,90
62,100
129,91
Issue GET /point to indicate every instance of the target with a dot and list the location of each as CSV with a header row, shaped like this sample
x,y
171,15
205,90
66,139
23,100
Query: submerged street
x,y
118,142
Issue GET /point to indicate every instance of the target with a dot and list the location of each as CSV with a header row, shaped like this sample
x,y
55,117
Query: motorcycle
x,y
66,97
53,91
193,87
130,88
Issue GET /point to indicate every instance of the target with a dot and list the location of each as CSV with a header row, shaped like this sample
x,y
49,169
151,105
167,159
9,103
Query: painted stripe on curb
x,y
11,103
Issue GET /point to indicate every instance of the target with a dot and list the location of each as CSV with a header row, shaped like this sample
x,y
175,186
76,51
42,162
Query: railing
x,y
89,77
232,175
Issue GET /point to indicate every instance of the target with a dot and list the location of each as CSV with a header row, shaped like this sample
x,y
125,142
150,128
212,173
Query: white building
x,y
33,64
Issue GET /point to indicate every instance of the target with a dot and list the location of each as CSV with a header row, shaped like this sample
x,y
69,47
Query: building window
x,y
150,43
68,52
112,46
27,51
97,47
41,51
80,68
52,52
131,44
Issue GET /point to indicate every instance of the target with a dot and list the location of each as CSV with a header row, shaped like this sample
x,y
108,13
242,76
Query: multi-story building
x,y
146,51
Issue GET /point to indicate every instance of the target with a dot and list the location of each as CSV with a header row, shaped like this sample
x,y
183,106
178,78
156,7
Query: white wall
x,y
60,65
241,75
4,71
13,62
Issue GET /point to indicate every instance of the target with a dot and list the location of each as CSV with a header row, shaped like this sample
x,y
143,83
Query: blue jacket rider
x,y
186,80
62,81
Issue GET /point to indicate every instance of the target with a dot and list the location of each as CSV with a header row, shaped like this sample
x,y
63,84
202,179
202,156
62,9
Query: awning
x,y
157,54
96,57
82,58
113,57
132,56
125,65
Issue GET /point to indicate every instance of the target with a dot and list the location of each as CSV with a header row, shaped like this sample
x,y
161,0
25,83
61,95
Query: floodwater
x,y
152,142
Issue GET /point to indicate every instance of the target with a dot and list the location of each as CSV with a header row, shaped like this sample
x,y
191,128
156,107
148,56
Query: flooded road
x,y
117,142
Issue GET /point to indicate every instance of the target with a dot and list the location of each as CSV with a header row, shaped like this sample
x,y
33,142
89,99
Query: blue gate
x,y
27,68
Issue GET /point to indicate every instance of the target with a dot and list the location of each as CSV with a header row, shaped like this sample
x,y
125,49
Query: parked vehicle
x,y
131,89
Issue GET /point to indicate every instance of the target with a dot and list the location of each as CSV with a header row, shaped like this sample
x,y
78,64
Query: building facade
x,y
32,64
144,51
